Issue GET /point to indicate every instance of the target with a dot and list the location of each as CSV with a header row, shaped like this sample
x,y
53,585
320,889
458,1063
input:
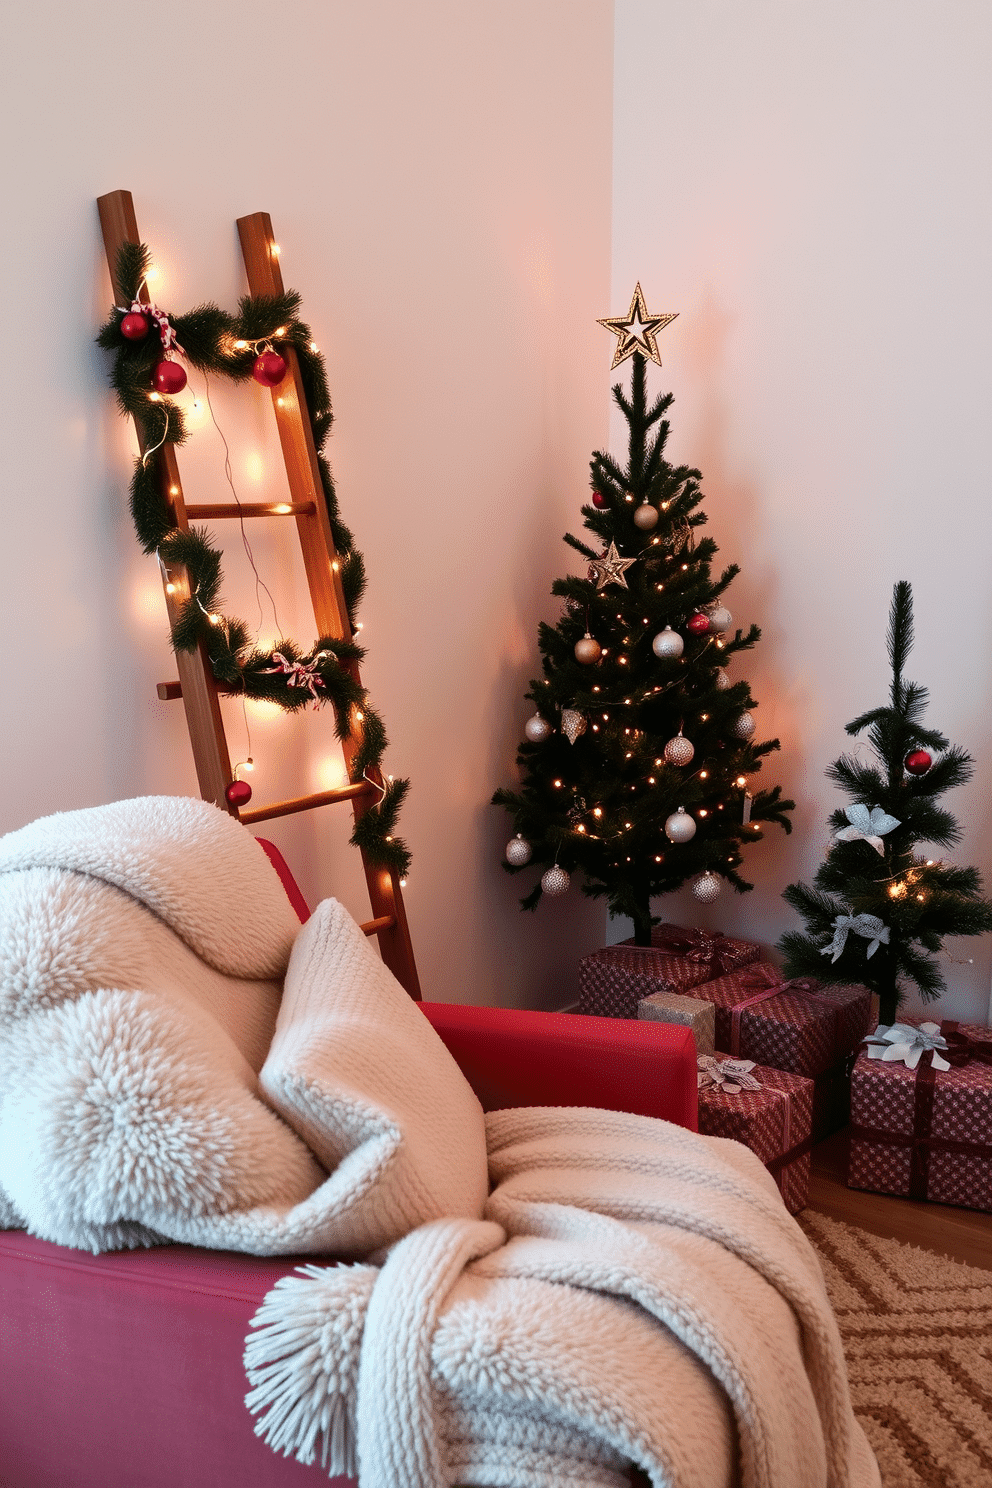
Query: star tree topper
x,y
636,331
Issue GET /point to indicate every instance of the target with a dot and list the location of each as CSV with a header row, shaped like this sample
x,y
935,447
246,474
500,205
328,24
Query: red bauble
x,y
134,327
598,499
269,369
238,793
169,377
699,624
918,762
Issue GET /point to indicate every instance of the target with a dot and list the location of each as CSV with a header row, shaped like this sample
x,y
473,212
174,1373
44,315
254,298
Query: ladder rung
x,y
304,803
213,510
375,927
168,691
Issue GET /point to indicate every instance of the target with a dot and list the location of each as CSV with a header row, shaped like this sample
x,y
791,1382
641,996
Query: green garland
x,y
210,340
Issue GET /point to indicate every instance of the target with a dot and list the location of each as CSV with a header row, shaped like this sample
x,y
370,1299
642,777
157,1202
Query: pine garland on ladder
x,y
217,343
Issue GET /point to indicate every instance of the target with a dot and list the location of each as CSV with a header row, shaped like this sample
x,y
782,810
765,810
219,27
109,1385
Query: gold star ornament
x,y
610,569
636,331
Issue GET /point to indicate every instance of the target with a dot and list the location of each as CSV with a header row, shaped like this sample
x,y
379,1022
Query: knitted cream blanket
x,y
634,1294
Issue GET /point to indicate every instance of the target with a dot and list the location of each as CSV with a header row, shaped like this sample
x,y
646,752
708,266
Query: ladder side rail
x,y
264,274
199,689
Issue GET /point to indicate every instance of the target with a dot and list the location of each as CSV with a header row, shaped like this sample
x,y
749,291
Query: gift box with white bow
x,y
921,1113
613,980
769,1110
803,1026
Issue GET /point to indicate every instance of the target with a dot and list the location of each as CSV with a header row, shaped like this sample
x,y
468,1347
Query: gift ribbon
x,y
961,1050
728,1075
714,950
759,978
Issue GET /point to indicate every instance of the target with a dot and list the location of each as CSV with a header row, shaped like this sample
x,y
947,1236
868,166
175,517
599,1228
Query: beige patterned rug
x,y
917,1332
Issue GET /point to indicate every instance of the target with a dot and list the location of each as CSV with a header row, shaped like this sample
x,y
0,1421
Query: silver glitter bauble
x,y
518,851
587,650
573,724
706,887
680,827
646,516
744,727
537,729
679,751
668,644
720,620
555,881
721,681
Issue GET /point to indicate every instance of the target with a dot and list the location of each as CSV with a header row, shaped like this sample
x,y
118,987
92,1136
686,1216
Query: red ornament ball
x,y
699,624
238,793
169,377
134,327
598,499
918,761
269,369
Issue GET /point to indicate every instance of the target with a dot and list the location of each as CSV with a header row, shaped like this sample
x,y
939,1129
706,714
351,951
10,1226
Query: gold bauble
x,y
588,650
646,516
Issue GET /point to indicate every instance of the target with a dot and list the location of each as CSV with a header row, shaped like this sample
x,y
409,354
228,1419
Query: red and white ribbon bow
x,y
300,673
166,331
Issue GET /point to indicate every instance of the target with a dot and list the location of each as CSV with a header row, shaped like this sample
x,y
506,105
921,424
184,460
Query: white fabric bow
x,y
729,1075
868,825
300,673
868,925
906,1044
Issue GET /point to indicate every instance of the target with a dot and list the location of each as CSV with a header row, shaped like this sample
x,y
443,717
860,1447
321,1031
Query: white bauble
x,y
744,727
721,681
679,751
518,851
680,826
706,887
668,644
555,881
537,729
720,620
646,516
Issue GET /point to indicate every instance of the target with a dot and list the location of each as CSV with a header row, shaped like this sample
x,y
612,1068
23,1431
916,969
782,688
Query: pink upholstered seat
x,y
124,1370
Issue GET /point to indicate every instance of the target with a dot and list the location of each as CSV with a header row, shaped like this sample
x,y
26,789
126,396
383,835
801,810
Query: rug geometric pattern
x,y
917,1331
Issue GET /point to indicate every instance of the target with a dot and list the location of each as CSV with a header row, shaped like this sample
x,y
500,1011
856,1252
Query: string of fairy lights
x,y
151,352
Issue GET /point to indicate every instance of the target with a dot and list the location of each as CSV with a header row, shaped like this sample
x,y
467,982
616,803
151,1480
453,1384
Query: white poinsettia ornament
x,y
868,824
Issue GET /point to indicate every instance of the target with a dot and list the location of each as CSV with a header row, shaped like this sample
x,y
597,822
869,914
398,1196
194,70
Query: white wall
x,y
810,186
439,178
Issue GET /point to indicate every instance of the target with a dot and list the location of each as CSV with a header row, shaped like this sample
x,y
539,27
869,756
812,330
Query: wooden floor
x,y
963,1234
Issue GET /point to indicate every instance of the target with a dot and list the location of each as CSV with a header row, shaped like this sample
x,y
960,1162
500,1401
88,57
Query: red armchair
x,y
124,1370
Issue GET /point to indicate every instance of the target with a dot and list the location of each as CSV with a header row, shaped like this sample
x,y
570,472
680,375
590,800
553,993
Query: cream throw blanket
x,y
634,1294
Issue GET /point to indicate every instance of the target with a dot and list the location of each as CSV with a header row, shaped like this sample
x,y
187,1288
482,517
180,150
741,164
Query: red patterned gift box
x,y
926,1133
775,1122
613,980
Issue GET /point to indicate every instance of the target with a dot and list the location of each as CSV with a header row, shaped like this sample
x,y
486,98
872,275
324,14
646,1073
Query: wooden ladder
x,y
197,686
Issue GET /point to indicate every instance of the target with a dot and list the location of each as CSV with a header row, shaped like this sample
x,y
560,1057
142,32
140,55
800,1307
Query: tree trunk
x,y
642,922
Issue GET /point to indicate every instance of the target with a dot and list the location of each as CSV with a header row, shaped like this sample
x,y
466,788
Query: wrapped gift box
x,y
803,1026
774,1121
926,1133
613,980
687,1012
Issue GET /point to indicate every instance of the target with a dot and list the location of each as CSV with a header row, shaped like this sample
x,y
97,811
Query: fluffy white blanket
x,y
634,1294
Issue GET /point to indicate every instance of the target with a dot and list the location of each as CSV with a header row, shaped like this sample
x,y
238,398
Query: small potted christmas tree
x,y
639,763
879,909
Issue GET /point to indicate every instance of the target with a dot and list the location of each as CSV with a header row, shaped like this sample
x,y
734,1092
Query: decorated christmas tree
x,y
879,909
639,761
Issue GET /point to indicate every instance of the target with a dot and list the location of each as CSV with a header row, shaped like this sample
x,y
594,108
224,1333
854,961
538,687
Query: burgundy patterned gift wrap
x,y
801,1025
613,980
926,1133
775,1122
